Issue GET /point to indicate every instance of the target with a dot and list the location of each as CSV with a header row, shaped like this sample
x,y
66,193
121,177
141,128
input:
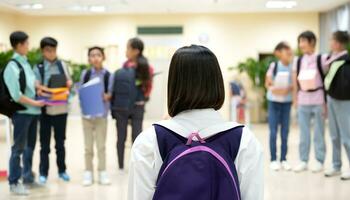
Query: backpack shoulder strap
x,y
319,66
275,69
299,64
22,76
41,69
60,67
229,140
106,80
320,71
87,76
167,140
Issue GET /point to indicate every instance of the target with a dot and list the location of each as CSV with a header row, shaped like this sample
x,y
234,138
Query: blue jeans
x,y
279,115
339,128
24,136
305,115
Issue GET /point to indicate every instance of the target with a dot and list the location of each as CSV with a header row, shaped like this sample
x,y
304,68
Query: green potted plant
x,y
256,71
34,56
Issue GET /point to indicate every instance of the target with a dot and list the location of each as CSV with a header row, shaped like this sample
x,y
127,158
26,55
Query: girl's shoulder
x,y
146,141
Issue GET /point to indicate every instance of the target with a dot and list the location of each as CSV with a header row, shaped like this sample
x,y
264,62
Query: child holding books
x,y
24,121
279,95
52,117
95,126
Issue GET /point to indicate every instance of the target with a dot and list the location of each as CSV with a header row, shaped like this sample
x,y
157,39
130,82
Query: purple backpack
x,y
202,169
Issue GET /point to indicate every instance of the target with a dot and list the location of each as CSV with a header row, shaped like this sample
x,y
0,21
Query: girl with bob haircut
x,y
195,94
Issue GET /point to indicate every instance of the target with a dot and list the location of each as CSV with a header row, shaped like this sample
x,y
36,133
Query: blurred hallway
x,y
278,185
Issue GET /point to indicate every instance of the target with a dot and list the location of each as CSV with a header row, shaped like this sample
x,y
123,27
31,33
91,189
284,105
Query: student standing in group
x,y
95,127
309,98
279,96
24,121
131,90
337,84
196,154
52,117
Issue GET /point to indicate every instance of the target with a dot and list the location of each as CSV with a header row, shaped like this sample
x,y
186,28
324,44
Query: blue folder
x,y
91,100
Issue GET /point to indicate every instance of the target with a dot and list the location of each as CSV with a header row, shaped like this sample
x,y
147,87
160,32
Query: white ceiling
x,y
66,7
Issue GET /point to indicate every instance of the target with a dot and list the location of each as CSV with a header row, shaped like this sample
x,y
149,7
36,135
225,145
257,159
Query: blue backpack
x,y
202,169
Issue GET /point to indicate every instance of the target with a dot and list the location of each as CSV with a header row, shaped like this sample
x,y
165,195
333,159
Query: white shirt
x,y
146,161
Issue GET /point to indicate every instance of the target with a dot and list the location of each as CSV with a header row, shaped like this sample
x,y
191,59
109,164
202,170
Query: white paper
x,y
281,80
307,79
93,81
307,74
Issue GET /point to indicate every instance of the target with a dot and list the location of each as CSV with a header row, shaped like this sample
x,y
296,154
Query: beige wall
x,y
233,37
7,25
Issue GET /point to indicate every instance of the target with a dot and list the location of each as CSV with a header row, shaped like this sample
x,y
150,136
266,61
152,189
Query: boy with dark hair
x,y
95,127
24,121
309,97
338,87
52,117
279,85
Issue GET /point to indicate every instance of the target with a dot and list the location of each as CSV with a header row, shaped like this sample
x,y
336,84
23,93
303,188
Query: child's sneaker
x,y
42,180
87,178
103,178
64,176
18,189
332,172
275,165
318,167
302,166
286,166
32,185
345,175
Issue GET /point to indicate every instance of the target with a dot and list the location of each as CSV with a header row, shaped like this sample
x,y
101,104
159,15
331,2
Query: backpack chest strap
x,y
193,135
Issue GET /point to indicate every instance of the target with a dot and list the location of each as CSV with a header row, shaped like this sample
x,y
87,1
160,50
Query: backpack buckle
x,y
190,138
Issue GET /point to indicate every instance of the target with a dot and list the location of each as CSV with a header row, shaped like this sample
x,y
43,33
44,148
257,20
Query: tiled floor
x,y
278,185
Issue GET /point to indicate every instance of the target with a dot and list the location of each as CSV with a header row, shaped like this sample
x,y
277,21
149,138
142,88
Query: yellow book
x,y
58,90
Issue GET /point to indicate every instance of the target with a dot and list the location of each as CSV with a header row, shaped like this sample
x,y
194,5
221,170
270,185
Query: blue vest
x,y
124,94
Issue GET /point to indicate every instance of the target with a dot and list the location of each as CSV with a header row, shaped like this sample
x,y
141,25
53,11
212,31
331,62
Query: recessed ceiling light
x,y
35,6
280,4
97,8
78,8
24,6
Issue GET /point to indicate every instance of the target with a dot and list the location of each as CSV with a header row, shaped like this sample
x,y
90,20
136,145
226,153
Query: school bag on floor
x,y
7,105
337,81
202,169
